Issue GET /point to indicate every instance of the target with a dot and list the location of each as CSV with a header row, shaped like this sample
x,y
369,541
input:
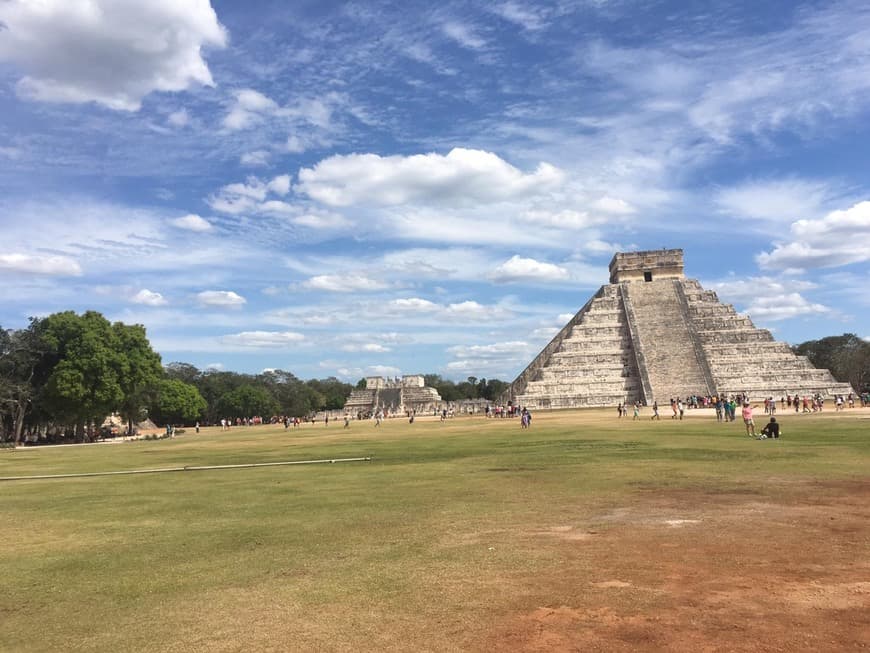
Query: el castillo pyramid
x,y
652,335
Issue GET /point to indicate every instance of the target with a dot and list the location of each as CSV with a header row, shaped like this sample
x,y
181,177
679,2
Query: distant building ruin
x,y
652,335
408,394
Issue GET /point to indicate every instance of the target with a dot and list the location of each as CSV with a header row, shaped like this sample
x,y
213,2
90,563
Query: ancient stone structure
x,y
652,335
408,394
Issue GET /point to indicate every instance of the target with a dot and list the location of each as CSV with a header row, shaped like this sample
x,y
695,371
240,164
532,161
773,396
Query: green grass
x,y
430,540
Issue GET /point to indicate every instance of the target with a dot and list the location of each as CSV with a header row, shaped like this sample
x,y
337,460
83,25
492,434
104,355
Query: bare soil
x,y
784,568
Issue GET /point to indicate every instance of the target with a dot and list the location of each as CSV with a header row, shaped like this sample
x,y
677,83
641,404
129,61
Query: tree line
x,y
69,371
846,356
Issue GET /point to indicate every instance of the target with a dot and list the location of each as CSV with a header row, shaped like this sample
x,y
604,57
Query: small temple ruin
x,y
408,394
651,335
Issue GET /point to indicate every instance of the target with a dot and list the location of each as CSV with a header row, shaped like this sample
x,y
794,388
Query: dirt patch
x,y
679,570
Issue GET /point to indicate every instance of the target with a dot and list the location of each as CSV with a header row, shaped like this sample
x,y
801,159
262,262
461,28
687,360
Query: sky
x,y
350,189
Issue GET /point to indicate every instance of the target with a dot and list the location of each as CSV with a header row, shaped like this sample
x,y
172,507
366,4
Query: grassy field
x,y
581,533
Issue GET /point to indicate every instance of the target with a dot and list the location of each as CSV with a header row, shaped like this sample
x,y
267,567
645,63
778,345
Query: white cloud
x,y
473,311
192,222
343,283
613,205
255,159
250,197
225,298
496,350
561,219
782,200
114,53
368,347
518,268
50,265
250,108
179,118
263,339
463,35
279,185
322,220
462,176
783,307
149,298
524,15
840,238
413,304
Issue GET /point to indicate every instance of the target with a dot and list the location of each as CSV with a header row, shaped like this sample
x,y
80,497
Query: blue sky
x,y
394,188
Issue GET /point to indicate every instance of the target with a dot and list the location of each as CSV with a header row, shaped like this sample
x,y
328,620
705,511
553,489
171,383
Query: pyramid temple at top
x,y
652,335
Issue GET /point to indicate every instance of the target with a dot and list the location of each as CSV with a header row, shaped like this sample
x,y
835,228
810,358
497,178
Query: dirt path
x,y
689,571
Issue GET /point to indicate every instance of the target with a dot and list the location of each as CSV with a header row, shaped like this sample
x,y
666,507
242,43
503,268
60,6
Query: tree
x,y
84,385
139,370
846,356
20,354
246,401
177,402
182,372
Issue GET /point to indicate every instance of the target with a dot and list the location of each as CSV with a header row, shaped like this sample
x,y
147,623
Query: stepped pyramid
x,y
650,335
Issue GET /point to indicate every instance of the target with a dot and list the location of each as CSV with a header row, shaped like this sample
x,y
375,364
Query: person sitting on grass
x,y
771,429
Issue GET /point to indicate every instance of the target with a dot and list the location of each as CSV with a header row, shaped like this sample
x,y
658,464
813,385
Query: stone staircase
x,y
664,332
591,364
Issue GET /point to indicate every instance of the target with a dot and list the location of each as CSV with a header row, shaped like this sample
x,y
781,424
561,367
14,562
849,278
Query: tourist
x,y
747,420
681,407
771,429
197,426
619,411
655,414
636,410
346,422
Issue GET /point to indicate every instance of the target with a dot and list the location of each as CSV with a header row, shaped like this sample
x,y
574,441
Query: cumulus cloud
x,y
221,298
149,298
840,238
782,307
192,222
250,107
473,311
263,339
461,176
343,283
518,268
113,53
56,266
250,196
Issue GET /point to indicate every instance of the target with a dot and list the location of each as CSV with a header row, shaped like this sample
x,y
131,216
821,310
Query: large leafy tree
x,y
84,384
177,402
139,370
246,401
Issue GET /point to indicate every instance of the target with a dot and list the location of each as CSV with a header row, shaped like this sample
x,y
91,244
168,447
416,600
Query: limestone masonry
x,y
393,396
652,335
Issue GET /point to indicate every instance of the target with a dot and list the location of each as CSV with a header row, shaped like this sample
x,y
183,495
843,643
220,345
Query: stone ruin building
x,y
652,335
408,394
